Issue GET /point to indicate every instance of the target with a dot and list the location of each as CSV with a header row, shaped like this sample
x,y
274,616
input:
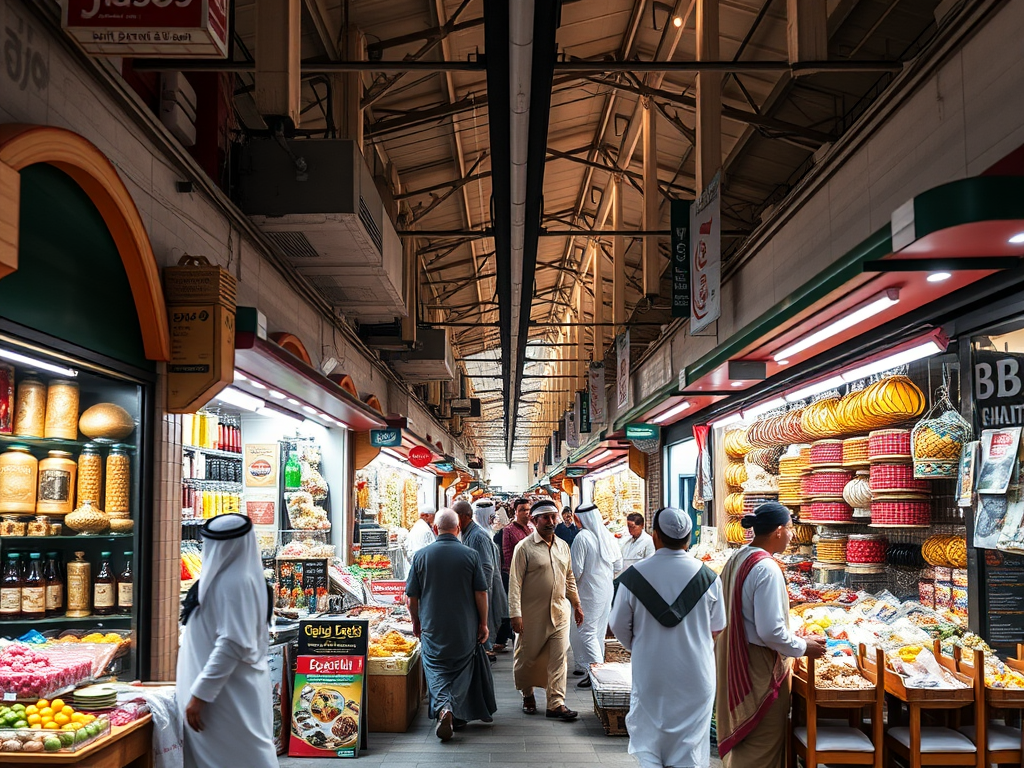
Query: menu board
x,y
303,583
1004,597
328,700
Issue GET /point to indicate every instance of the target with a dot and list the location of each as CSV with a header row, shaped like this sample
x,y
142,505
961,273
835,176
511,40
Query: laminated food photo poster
x,y
999,468
968,474
328,701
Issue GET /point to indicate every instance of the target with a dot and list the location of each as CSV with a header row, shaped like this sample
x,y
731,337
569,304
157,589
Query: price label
x,y
10,696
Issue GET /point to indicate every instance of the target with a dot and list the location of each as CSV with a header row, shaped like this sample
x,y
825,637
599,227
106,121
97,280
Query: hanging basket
x,y
938,439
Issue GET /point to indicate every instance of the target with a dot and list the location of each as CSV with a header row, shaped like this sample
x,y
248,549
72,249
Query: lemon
x,y
57,705
46,711
61,719
42,703
31,709
33,719
50,726
67,711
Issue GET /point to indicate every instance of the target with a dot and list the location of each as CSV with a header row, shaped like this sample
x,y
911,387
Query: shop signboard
x,y
583,412
419,456
595,389
575,471
641,431
182,29
622,370
998,389
706,257
385,438
387,591
328,700
680,222
572,435
373,540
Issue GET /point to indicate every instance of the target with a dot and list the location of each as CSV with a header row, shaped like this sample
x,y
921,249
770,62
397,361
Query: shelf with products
x,y
48,621
55,443
234,455
233,484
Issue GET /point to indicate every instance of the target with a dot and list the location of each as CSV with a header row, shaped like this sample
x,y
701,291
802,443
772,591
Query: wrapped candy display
x,y
304,514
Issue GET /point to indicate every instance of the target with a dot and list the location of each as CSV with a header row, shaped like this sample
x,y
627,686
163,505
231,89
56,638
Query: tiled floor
x,y
513,739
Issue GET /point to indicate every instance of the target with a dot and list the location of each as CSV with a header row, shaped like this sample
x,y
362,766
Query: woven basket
x,y
896,477
888,444
937,440
826,453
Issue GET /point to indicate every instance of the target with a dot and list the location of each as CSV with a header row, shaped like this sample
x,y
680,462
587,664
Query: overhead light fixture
x,y
1018,238
938,277
782,362
875,305
257,384
815,389
737,384
907,356
16,357
239,376
280,413
671,412
726,421
677,21
277,395
240,399
293,401
602,455
310,410
757,410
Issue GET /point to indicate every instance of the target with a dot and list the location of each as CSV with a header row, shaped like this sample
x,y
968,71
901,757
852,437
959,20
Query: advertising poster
x,y
260,465
622,370
998,459
327,702
680,217
966,477
261,508
706,257
595,386
280,695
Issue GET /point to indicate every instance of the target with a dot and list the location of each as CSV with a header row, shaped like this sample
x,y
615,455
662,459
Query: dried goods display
x,y
945,551
389,492
618,494
304,514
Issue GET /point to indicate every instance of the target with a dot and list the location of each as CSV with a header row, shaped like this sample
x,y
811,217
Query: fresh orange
x,y
42,703
61,719
57,705
67,711
33,719
50,726
46,711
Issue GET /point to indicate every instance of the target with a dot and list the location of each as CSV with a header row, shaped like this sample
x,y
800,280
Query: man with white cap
x,y
223,676
595,561
540,592
667,611
422,532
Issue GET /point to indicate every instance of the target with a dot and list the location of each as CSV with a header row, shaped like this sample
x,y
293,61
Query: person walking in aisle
x,y
638,544
595,560
518,529
541,591
667,611
477,537
447,592
754,653
567,529
422,532
223,676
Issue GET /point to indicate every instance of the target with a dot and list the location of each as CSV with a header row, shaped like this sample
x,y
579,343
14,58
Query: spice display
x,y
56,484
62,410
19,471
79,586
106,421
87,519
118,482
6,399
90,475
40,526
30,408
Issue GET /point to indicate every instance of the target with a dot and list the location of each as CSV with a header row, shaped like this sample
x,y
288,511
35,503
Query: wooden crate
x,y
392,700
613,720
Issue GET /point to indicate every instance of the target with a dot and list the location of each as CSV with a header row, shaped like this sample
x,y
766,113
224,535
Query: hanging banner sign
x,y
419,456
572,435
583,412
642,431
595,388
706,257
622,370
680,218
182,29
385,438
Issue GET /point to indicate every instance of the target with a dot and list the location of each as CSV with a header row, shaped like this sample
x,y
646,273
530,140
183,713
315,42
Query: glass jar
x,y
90,475
56,484
62,410
30,408
11,525
40,526
118,483
79,587
19,472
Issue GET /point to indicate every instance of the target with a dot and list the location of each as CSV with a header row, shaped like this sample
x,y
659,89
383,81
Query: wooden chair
x,y
846,745
920,746
999,744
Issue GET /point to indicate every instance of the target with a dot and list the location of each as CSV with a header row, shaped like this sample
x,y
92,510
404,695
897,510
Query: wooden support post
x,y
598,303
581,346
709,96
807,30
618,260
348,90
412,290
278,49
652,258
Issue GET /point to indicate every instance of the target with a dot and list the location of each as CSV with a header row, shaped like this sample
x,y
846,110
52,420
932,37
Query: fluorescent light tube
x,y
671,412
602,455
15,357
815,389
238,398
757,410
277,395
879,303
726,421
905,357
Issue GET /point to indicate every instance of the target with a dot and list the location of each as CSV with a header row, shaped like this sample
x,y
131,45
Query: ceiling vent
x,y
316,201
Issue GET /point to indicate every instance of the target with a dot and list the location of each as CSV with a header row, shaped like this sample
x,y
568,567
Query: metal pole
x,y
618,258
651,257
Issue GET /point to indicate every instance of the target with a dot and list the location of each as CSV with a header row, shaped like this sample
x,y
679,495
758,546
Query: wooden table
x,y
392,700
127,746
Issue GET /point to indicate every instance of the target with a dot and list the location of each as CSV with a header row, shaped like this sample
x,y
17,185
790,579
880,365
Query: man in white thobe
x,y
223,681
422,532
671,636
595,560
638,544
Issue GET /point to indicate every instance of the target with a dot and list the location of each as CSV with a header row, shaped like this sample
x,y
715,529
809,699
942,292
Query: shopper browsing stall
x,y
667,611
422,532
754,654
223,675
447,593
595,560
567,529
638,544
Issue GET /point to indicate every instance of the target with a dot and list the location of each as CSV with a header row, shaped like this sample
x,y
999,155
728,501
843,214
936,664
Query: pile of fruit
x,y
191,565
47,726
92,637
28,673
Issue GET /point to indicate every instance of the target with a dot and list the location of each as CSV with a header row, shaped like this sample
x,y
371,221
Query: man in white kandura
x,y
670,633
223,682
422,532
595,560
637,544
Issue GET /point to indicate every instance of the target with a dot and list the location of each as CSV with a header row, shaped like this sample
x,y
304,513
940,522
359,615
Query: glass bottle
x,y
33,590
79,586
125,585
292,473
10,588
54,585
103,601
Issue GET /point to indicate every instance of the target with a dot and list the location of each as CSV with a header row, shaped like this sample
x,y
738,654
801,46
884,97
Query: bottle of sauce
x,y
125,585
10,588
33,590
79,586
54,586
292,473
104,586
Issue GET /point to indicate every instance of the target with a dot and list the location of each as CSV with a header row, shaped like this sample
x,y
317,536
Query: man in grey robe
x,y
478,538
447,593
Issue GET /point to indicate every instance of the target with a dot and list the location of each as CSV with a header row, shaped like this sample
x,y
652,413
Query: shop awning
x,y
938,243
274,369
609,447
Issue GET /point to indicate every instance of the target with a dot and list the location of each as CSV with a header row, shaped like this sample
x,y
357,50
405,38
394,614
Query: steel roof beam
x,y
693,67
423,116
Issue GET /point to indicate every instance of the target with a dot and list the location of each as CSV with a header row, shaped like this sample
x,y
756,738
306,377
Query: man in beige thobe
x,y
541,588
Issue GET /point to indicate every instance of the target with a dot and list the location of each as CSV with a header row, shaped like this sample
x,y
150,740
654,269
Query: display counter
x,y
129,746
393,693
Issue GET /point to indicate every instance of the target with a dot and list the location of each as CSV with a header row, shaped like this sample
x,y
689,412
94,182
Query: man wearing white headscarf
x,y
595,561
667,610
223,680
422,532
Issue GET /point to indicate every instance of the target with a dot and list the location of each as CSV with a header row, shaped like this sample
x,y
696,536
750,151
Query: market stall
x,y
617,491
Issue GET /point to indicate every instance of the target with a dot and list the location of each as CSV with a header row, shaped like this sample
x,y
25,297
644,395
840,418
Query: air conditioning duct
x,y
432,361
